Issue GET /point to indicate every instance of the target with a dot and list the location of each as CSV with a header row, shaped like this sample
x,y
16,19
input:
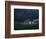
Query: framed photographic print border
x,y
8,19
29,30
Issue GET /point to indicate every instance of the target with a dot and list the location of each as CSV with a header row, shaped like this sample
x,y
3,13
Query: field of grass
x,y
24,27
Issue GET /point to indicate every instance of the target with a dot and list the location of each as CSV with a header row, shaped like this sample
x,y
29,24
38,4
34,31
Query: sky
x,y
24,14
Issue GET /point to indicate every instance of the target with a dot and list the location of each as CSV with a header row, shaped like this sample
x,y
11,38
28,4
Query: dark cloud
x,y
23,14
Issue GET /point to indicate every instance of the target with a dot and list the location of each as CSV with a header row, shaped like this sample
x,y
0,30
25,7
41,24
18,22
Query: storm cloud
x,y
23,14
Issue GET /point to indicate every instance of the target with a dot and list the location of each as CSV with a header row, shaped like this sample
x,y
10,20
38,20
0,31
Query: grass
x,y
22,26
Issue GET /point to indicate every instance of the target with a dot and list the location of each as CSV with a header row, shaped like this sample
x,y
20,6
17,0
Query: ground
x,y
25,26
